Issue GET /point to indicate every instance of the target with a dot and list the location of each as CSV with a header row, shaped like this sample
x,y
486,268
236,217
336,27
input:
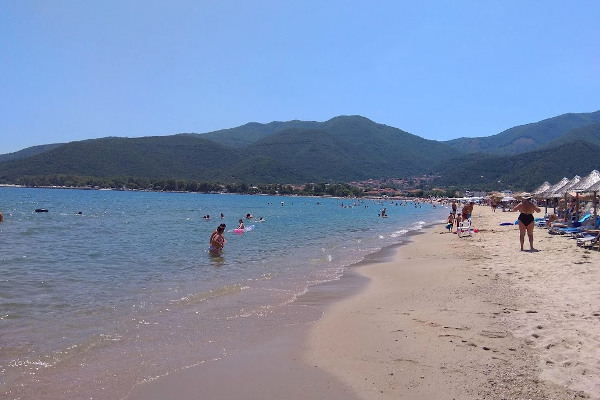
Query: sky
x,y
73,70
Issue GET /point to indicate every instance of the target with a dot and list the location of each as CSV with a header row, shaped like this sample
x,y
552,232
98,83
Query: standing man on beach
x,y
526,219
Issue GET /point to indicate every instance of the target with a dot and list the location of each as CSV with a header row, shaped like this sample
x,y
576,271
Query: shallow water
x,y
93,303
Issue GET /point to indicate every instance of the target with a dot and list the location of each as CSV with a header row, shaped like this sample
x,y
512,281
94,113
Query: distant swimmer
x,y
1,217
206,217
249,216
241,226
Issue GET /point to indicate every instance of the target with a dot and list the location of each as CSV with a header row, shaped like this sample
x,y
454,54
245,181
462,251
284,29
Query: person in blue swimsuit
x,y
526,209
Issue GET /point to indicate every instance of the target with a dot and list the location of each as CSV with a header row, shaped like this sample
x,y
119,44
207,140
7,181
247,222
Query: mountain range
x,y
342,149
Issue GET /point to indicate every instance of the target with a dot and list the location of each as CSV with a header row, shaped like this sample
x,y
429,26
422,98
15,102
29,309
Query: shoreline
x,y
443,318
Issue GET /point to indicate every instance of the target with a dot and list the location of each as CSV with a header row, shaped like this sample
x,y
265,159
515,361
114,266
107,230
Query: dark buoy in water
x,y
41,210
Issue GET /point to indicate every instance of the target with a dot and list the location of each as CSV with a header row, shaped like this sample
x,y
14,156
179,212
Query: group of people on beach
x,y
526,220
464,215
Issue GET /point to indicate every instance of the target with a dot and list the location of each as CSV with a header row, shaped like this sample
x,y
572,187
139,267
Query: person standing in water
x,y
217,241
526,209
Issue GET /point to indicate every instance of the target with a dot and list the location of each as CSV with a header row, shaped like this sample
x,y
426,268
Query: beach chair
x,y
464,228
541,222
588,241
573,230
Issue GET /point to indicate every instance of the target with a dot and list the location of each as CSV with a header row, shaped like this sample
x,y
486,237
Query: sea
x,y
110,289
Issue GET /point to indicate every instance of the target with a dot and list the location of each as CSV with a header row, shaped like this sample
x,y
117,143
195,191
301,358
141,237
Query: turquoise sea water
x,y
125,291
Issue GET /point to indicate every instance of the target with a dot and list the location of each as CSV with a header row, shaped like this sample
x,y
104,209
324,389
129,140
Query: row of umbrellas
x,y
590,183
575,186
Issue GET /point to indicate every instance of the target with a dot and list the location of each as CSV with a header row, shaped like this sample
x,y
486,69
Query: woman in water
x,y
241,226
217,241
526,209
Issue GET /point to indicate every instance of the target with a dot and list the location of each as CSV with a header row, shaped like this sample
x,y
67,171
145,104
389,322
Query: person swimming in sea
x,y
526,220
241,226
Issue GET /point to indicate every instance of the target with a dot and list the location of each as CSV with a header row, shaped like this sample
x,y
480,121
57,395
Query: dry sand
x,y
446,318
470,318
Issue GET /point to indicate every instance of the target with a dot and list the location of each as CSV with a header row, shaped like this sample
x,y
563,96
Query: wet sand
x,y
444,318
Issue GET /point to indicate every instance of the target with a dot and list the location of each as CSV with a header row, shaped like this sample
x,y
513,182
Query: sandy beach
x,y
444,318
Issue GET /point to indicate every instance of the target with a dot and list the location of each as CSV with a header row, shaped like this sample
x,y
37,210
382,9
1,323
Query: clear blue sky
x,y
73,70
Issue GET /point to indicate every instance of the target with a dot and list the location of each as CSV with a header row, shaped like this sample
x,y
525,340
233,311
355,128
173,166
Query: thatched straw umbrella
x,y
541,189
587,185
569,187
552,192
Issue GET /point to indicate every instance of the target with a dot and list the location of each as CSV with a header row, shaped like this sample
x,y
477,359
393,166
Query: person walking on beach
x,y
467,210
526,209
450,223
454,207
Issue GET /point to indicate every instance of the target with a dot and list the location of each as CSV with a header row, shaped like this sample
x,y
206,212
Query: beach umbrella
x,y
571,185
541,189
593,187
587,182
550,192
554,189
567,188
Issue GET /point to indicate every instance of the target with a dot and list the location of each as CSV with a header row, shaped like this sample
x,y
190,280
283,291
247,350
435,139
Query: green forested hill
x,y
343,149
587,134
524,138
353,148
251,132
178,156
28,152
522,171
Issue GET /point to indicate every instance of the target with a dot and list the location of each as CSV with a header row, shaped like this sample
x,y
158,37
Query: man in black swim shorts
x,y
526,208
